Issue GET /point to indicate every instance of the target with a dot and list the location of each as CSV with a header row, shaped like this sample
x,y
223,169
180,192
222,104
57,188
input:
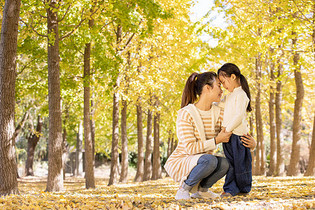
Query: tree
x,y
32,141
148,151
140,157
8,49
293,169
88,144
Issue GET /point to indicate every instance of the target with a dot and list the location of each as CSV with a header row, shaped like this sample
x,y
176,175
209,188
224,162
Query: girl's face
x,y
216,91
227,82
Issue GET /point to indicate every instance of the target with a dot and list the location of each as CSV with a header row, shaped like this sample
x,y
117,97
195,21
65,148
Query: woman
x,y
198,131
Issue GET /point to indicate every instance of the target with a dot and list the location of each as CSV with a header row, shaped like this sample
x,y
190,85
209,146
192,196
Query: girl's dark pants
x,y
239,176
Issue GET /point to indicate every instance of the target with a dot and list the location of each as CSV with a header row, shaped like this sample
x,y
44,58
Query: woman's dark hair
x,y
194,85
227,70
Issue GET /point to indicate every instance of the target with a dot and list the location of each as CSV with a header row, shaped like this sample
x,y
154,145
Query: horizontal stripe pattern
x,y
179,164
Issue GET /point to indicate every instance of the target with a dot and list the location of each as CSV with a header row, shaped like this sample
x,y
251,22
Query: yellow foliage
x,y
267,193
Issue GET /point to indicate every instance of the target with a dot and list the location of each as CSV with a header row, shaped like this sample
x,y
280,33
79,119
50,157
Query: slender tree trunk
x,y
92,124
272,122
169,144
259,125
293,169
64,151
124,143
8,48
157,170
115,130
280,160
78,158
251,132
32,141
88,155
140,162
310,171
115,137
148,152
55,172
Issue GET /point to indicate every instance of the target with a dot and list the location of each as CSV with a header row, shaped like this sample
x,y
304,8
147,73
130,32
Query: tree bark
x,y
92,124
148,152
157,170
115,137
260,154
293,169
32,141
115,130
78,155
140,157
55,174
272,122
124,143
280,160
310,171
8,48
89,155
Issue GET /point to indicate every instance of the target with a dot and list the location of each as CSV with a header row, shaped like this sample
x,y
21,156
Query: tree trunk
x,y
55,174
280,159
115,130
8,48
78,155
140,157
124,143
272,123
88,155
260,160
293,169
64,151
32,141
148,151
92,124
310,171
115,137
157,170
169,144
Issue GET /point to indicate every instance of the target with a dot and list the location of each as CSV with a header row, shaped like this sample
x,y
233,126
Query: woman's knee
x,y
209,160
224,165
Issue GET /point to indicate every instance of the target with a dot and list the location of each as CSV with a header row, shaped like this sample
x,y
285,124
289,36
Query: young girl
x,y
239,176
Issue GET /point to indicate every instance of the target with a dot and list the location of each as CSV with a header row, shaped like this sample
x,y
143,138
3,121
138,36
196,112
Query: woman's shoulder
x,y
184,113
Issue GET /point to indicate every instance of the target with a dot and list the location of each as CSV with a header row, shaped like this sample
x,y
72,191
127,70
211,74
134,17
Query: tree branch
x,y
20,125
42,35
65,13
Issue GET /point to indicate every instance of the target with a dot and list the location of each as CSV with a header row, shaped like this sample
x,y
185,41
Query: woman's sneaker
x,y
182,194
205,195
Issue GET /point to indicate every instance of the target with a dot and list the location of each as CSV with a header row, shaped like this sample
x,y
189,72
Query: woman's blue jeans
x,y
239,177
208,171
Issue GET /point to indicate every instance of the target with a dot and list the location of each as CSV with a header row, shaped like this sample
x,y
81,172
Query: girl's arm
x,y
240,111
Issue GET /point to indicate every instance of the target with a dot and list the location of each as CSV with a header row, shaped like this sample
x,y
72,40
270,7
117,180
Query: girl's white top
x,y
234,118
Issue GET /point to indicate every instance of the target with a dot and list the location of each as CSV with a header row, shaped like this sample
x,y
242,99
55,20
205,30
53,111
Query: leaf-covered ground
x,y
267,193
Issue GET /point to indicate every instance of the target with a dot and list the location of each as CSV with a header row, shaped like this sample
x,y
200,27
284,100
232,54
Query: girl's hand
x,y
248,141
223,137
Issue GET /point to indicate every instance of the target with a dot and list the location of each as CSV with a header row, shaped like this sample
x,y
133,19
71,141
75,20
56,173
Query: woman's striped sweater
x,y
191,143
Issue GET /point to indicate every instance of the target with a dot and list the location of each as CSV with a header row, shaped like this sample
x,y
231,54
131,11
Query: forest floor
x,y
267,193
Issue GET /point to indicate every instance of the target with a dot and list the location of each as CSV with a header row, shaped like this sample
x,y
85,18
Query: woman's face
x,y
216,91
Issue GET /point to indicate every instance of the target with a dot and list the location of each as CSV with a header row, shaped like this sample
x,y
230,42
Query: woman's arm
x,y
248,141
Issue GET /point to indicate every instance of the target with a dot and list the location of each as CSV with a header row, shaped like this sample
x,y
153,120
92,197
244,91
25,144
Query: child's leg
x,y
230,185
243,165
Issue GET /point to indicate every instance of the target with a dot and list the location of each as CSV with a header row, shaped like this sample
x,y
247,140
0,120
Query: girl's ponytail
x,y
189,94
245,87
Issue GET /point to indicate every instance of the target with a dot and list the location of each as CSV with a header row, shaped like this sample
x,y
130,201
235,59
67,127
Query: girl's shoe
x,y
205,195
182,194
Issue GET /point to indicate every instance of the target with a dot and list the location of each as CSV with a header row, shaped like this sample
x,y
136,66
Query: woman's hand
x,y
248,141
223,137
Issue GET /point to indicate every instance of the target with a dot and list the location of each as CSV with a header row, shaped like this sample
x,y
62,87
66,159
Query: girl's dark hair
x,y
227,70
194,85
